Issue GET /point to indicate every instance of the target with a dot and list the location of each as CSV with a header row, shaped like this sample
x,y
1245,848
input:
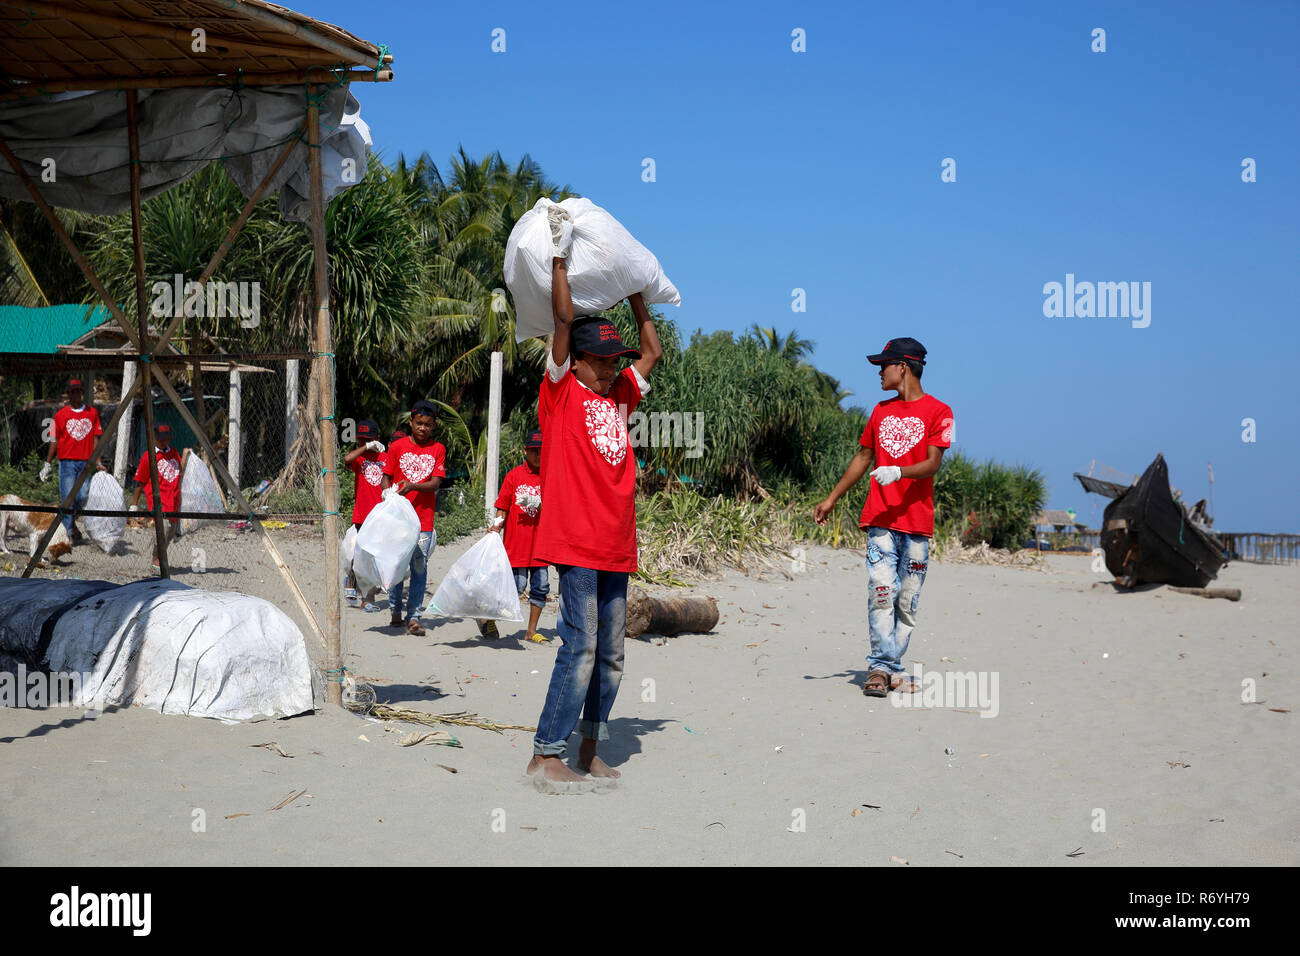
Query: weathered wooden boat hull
x,y
1148,539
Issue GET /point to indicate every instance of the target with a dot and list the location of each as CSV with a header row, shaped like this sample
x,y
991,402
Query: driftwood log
x,y
668,616
1231,594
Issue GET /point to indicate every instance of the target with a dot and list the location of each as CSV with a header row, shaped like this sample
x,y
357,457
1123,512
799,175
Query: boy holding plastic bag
x,y
366,462
416,467
518,506
170,466
588,527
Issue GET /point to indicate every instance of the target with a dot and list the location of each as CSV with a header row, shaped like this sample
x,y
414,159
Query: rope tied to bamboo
x,y
379,63
340,671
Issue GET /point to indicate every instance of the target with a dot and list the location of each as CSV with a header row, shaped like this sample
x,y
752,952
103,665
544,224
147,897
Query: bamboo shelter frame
x,y
303,45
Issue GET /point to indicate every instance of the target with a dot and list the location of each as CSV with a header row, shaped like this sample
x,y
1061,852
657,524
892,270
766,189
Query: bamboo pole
x,y
95,454
244,507
137,244
171,82
325,382
494,438
81,261
234,230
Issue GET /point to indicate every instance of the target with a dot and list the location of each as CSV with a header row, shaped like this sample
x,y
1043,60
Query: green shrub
x,y
987,501
24,480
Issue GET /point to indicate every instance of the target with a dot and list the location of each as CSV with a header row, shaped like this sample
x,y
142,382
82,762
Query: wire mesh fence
x,y
260,415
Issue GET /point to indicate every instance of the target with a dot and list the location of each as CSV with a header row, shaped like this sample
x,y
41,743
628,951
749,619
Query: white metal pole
x,y
234,454
290,405
123,449
494,437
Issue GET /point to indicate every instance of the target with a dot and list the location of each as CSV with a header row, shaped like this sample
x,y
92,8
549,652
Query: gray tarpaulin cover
x,y
181,131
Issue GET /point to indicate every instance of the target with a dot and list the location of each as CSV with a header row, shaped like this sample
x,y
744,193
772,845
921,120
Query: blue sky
x,y
820,170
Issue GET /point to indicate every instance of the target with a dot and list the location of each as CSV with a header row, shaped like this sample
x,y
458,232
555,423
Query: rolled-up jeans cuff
x,y
549,750
593,729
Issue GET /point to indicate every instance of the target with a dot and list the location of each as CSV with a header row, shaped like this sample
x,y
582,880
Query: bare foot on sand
x,y
590,763
552,768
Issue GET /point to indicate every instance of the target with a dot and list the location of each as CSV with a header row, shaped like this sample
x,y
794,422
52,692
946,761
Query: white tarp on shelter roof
x,y
74,145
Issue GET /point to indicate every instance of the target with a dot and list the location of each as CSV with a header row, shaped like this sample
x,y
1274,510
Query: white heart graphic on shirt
x,y
78,428
168,470
899,435
416,467
607,429
528,498
373,472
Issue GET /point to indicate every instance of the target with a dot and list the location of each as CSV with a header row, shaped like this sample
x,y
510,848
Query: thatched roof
x,y
55,45
1055,518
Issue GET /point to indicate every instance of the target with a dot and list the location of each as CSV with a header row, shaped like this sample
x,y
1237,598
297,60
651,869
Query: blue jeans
x,y
896,566
424,546
535,581
589,664
68,472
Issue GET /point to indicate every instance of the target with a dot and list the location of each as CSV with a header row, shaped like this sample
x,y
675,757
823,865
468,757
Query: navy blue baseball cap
x,y
594,335
899,350
424,407
534,439
367,429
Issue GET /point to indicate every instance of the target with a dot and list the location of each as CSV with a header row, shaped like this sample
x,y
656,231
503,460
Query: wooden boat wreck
x,y
1149,538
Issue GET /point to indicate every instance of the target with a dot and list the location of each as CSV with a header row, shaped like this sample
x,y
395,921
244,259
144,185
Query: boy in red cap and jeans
x,y
76,426
902,447
588,527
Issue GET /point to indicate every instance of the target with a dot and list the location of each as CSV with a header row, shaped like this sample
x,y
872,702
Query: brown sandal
x,y
877,684
413,627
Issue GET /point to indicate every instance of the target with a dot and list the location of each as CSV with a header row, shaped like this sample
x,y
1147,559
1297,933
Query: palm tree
x,y
791,347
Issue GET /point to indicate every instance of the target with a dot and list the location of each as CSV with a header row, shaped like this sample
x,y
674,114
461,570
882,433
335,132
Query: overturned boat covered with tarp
x,y
1148,537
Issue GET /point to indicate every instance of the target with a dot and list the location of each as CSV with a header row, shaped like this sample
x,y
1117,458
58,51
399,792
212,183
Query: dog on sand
x,y
32,524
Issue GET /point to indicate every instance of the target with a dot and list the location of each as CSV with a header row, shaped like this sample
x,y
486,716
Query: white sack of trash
x,y
606,264
180,650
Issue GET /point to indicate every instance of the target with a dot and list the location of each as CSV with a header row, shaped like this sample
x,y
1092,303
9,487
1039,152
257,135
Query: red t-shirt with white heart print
x,y
75,432
521,492
369,469
408,461
901,433
590,472
169,477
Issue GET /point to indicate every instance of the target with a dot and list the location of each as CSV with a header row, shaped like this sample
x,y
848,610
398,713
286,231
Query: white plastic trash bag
x,y
606,265
480,584
199,492
105,494
385,543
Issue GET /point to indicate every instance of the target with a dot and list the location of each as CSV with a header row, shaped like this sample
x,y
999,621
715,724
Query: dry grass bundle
x,y
953,552
360,698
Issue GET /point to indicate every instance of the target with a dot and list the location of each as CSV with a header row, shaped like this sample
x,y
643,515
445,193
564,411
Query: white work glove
x,y
561,231
134,508
887,474
45,472
375,446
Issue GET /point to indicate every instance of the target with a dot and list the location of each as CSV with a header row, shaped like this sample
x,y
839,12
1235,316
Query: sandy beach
x,y
1120,736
